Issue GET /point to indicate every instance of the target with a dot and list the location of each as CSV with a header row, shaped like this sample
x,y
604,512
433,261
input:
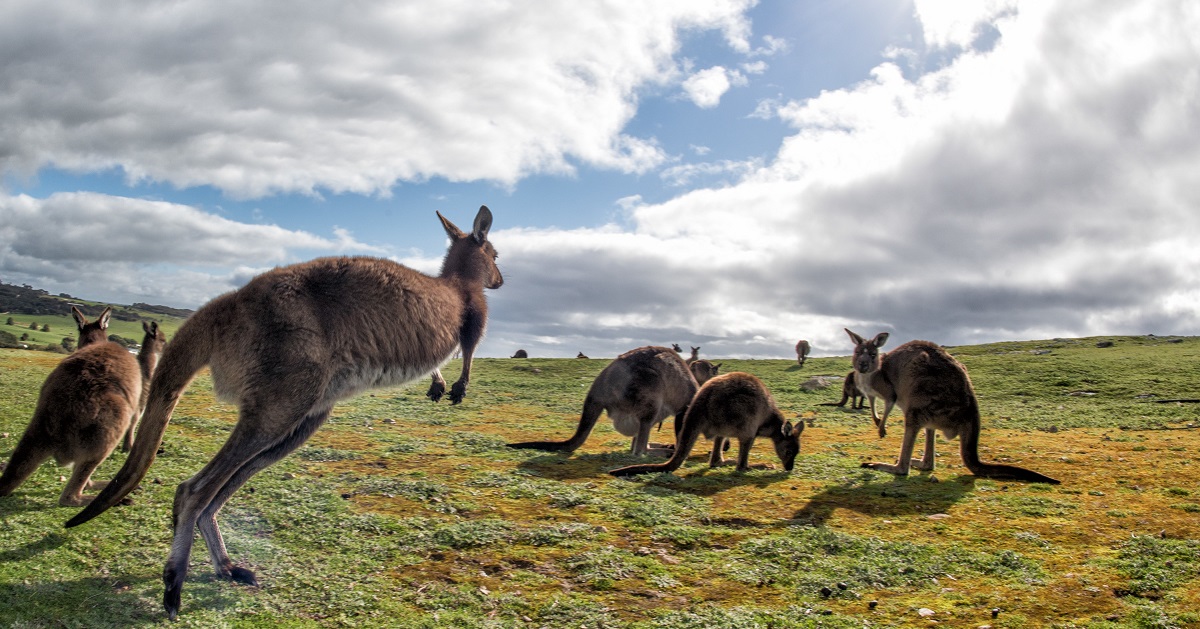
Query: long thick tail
x,y
587,420
970,456
185,355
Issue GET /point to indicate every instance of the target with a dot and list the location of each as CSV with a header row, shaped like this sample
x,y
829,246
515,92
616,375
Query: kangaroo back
x,y
181,359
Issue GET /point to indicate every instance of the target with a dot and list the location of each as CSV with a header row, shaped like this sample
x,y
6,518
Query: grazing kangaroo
x,y
734,405
849,392
580,355
934,392
520,354
802,349
638,389
88,402
308,335
695,355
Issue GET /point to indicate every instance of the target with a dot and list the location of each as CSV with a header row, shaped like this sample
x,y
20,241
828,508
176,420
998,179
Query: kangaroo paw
x,y
241,575
458,392
436,391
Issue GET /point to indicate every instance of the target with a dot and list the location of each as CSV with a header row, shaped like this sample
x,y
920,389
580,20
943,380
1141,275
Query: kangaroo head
x,y
91,332
676,347
866,357
704,370
787,443
472,256
155,338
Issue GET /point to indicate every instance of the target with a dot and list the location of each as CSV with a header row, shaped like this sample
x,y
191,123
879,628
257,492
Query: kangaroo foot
x,y
436,391
458,392
241,575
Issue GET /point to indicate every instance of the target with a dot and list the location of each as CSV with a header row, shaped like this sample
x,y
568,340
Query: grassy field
x,y
405,513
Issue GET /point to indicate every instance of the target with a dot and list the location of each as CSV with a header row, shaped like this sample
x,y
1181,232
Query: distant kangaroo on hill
x,y
580,355
309,335
87,403
802,349
695,355
850,392
731,406
520,354
934,392
639,389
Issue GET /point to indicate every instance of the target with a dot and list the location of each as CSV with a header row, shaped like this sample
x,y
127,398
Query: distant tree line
x,y
26,299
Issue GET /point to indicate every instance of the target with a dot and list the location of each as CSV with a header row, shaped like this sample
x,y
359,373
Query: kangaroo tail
x,y
186,354
684,442
587,420
970,456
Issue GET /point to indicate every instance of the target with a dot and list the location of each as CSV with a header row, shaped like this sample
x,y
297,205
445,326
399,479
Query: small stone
x,y
843,585
288,476
872,604
934,479
937,516
346,496
826,591
925,612
995,612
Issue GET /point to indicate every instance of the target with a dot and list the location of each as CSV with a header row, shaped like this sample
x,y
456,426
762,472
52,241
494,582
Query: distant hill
x,y
28,300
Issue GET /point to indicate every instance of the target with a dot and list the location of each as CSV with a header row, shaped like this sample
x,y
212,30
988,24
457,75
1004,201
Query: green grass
x,y
405,513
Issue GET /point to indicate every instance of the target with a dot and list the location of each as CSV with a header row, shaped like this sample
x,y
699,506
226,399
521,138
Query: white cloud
x,y
310,97
116,247
1045,186
706,87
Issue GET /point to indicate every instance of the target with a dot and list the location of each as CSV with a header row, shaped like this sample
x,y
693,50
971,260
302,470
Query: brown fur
x,y
639,389
87,403
695,355
732,406
307,336
934,392
703,370
802,349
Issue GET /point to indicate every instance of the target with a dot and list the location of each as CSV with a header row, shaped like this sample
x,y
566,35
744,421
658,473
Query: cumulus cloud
x,y
106,246
1041,185
706,87
315,96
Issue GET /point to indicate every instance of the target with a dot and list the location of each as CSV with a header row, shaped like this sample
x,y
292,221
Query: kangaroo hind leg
x,y
258,439
926,462
81,475
26,458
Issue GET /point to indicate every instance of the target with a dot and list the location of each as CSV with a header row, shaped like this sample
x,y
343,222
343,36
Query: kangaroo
x,y
733,405
677,348
695,355
520,354
934,392
802,349
86,404
849,392
638,389
309,335
153,340
581,355
703,370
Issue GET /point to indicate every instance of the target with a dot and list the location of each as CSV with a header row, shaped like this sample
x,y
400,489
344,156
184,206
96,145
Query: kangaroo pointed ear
x,y
483,223
880,339
104,317
80,320
451,229
858,340
717,366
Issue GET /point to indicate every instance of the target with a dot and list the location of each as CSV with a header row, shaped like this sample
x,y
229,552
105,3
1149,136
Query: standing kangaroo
x,y
88,402
733,405
695,355
638,389
850,392
934,392
802,349
303,337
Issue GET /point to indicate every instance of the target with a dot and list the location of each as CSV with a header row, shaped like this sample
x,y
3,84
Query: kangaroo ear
x,y
717,366
858,340
104,317
451,229
80,320
880,339
483,223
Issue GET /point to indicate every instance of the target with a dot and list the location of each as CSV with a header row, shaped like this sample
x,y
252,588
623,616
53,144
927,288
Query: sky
x,y
728,174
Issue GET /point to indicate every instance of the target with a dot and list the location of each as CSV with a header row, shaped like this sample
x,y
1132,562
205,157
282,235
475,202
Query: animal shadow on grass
x,y
706,481
566,466
111,601
50,541
871,495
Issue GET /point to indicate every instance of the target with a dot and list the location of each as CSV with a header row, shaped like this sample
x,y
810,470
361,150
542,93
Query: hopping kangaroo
x,y
934,392
638,389
802,349
308,335
732,406
88,402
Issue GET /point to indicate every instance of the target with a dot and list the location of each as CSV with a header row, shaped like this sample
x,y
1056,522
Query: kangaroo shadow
x,y
50,541
869,494
569,465
706,481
